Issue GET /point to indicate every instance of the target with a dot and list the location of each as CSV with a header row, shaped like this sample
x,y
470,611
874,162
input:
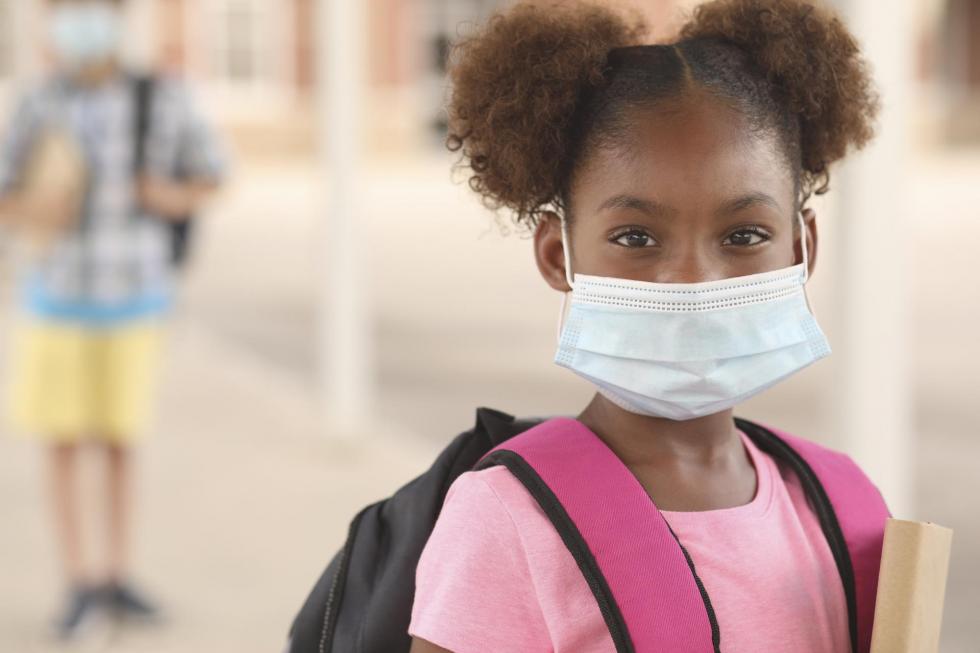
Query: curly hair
x,y
537,89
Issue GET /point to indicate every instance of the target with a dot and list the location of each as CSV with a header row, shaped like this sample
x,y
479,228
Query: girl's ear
x,y
810,222
549,253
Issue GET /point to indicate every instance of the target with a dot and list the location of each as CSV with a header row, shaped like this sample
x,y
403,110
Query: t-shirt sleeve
x,y
871,483
473,588
201,154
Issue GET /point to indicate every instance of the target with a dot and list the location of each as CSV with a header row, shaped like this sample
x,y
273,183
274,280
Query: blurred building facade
x,y
253,61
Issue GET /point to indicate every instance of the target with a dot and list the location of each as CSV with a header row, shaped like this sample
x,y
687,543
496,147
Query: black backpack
x,y
181,230
371,580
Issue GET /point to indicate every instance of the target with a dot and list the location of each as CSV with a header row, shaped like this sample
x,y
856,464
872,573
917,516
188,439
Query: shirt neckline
x,y
756,508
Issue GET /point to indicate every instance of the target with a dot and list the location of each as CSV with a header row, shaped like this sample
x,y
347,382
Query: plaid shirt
x,y
117,259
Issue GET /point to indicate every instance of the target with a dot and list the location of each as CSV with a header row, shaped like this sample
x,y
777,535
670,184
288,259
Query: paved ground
x,y
243,497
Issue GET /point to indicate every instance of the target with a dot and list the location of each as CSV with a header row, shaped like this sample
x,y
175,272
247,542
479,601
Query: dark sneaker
x,y
79,608
125,601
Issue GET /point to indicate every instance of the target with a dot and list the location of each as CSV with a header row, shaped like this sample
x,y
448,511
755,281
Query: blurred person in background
x,y
96,169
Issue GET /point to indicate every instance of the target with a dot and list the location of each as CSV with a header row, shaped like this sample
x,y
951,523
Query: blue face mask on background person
x,y
85,33
685,350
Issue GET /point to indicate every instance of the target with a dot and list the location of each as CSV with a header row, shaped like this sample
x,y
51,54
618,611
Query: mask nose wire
x,y
571,284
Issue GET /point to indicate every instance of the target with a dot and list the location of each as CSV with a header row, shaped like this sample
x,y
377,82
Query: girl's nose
x,y
688,266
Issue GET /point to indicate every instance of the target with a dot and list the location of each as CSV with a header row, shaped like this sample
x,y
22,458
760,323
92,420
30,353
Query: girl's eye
x,y
746,236
634,239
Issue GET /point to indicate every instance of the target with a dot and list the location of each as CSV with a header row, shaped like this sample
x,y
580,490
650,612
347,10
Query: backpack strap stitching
x,y
574,444
712,617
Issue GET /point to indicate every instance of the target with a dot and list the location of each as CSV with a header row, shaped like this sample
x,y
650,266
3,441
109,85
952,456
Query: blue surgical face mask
x,y
85,33
685,350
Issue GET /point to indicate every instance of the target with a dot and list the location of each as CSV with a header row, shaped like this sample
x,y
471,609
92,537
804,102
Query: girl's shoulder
x,y
480,485
496,489
473,587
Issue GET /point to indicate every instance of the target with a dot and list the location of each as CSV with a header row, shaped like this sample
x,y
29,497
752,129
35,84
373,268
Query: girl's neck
x,y
642,441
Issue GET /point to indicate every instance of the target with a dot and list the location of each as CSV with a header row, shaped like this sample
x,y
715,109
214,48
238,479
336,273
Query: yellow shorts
x,y
69,382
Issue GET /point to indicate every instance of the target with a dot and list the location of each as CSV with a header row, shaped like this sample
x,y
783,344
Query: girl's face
x,y
696,197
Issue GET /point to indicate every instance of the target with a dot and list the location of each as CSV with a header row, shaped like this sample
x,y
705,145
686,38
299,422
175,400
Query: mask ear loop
x,y
566,253
806,260
803,241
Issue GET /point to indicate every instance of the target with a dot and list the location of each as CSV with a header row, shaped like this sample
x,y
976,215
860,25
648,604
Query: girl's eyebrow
x,y
747,200
656,209
650,207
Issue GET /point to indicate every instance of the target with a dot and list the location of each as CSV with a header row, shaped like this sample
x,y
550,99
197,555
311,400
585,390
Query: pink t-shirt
x,y
495,575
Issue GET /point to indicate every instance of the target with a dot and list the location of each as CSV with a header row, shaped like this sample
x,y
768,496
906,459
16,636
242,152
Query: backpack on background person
x,y
181,231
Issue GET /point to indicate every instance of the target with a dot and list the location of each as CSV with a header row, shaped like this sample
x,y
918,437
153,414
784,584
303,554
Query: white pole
x,y
874,398
344,358
29,23
140,36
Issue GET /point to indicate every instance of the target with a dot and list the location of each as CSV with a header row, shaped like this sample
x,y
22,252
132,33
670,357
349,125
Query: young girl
x,y
667,186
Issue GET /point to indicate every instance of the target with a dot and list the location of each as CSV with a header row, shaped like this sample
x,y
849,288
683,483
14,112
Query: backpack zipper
x,y
336,589
769,441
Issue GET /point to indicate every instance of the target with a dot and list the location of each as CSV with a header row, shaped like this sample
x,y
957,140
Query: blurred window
x,y
240,49
241,44
960,69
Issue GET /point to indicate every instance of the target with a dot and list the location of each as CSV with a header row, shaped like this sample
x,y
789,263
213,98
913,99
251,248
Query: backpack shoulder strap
x,y
860,512
622,546
143,87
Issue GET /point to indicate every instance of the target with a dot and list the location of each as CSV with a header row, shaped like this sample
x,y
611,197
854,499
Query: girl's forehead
x,y
686,154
